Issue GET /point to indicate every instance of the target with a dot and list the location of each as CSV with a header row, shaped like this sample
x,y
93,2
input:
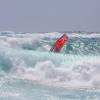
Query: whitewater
x,y
29,71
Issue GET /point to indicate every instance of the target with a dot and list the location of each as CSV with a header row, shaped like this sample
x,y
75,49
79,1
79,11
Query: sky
x,y
50,15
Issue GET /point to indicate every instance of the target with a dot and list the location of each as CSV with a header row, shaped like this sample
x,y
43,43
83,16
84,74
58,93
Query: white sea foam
x,y
47,68
83,73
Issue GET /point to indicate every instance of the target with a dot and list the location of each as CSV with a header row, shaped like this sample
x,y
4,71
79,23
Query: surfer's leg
x,y
52,49
57,50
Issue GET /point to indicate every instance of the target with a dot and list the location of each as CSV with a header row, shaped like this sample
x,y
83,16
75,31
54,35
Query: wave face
x,y
26,57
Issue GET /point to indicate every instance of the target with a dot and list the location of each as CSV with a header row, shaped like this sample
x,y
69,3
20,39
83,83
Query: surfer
x,y
59,44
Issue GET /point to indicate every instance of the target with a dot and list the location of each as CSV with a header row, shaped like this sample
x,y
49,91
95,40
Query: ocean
x,y
29,71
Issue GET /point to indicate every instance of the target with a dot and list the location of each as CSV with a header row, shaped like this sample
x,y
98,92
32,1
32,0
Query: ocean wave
x,y
26,56
77,44
52,69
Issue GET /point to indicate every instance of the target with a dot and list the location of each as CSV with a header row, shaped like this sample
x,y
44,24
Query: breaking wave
x,y
27,56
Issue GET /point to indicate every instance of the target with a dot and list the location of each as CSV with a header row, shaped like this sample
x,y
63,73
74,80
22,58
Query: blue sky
x,y
50,15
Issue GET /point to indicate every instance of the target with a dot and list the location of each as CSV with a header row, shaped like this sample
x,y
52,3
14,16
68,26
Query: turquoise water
x,y
28,71
27,90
